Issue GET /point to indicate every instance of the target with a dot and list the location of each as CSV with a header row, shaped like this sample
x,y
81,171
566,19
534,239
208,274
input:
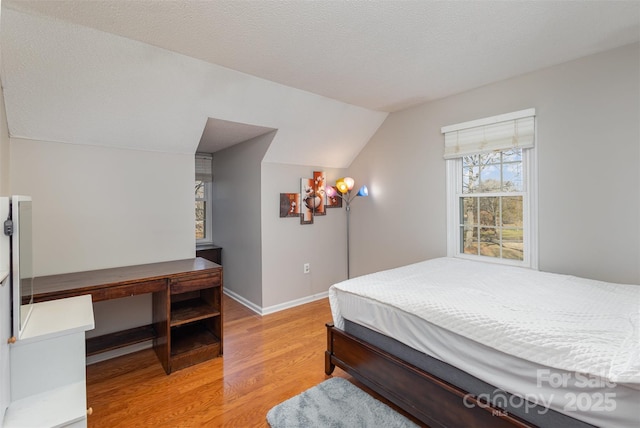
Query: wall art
x,y
310,202
289,204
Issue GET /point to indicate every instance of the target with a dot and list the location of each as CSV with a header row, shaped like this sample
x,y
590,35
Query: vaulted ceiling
x,y
150,75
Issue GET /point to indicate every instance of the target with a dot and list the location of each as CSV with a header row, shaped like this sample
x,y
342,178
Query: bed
x,y
464,343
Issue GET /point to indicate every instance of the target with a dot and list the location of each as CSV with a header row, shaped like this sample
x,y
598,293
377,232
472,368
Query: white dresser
x,y
48,366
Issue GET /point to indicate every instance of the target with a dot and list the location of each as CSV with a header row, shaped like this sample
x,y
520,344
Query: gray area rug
x,y
335,403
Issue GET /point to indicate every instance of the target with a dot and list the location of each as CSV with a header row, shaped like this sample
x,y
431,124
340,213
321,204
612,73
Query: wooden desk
x,y
187,306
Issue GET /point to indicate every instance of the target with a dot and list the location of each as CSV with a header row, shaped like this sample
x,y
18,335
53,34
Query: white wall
x,y
5,291
236,216
4,148
287,245
96,207
588,146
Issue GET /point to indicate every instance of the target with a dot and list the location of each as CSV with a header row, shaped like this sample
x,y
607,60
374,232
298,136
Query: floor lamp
x,y
345,186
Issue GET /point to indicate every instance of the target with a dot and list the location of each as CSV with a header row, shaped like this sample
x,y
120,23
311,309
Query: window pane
x,y
512,177
512,244
200,219
469,214
469,161
470,179
513,155
490,158
199,189
489,211
469,238
200,230
490,178
489,242
512,211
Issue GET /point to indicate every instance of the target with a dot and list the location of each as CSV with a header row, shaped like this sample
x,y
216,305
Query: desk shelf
x,y
120,339
193,343
191,337
192,310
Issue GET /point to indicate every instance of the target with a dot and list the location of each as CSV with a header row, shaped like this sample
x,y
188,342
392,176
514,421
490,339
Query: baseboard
x,y
244,302
275,308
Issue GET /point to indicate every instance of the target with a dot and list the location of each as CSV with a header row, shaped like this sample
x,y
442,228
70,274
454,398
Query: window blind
x,y
203,167
490,134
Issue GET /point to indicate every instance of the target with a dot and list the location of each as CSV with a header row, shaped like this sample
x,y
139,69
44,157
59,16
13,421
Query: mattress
x,y
565,343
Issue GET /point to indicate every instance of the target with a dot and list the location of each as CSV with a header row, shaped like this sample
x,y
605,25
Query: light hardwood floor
x,y
266,361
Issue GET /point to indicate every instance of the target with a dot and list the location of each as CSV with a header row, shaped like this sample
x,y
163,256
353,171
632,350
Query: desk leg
x,y
161,311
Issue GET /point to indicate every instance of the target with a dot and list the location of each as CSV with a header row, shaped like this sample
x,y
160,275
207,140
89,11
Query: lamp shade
x,y
363,191
330,191
350,182
342,186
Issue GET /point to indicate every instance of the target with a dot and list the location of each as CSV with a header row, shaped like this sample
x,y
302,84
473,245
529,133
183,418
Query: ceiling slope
x,y
68,83
379,54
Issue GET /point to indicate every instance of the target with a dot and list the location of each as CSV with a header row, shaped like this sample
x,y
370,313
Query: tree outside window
x,y
201,210
491,205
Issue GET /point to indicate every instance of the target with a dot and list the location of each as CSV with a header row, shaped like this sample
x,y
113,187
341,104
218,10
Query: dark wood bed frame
x,y
422,395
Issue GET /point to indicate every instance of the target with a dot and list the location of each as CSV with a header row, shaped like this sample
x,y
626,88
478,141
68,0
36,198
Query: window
x,y
491,205
201,209
490,189
203,184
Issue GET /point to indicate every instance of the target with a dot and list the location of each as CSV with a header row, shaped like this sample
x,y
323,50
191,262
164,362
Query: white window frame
x,y
530,210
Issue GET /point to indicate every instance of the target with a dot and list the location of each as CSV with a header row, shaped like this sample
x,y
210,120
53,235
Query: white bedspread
x,y
560,321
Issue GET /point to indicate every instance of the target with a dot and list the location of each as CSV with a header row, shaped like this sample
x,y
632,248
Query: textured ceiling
x,y
381,55
177,75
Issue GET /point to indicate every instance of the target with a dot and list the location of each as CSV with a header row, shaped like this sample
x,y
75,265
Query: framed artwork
x,y
319,182
312,200
308,198
289,204
334,201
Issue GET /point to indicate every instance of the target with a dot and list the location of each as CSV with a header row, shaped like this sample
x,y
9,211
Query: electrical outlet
x,y
306,268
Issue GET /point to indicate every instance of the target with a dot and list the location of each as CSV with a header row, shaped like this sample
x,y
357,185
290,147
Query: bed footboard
x,y
429,399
